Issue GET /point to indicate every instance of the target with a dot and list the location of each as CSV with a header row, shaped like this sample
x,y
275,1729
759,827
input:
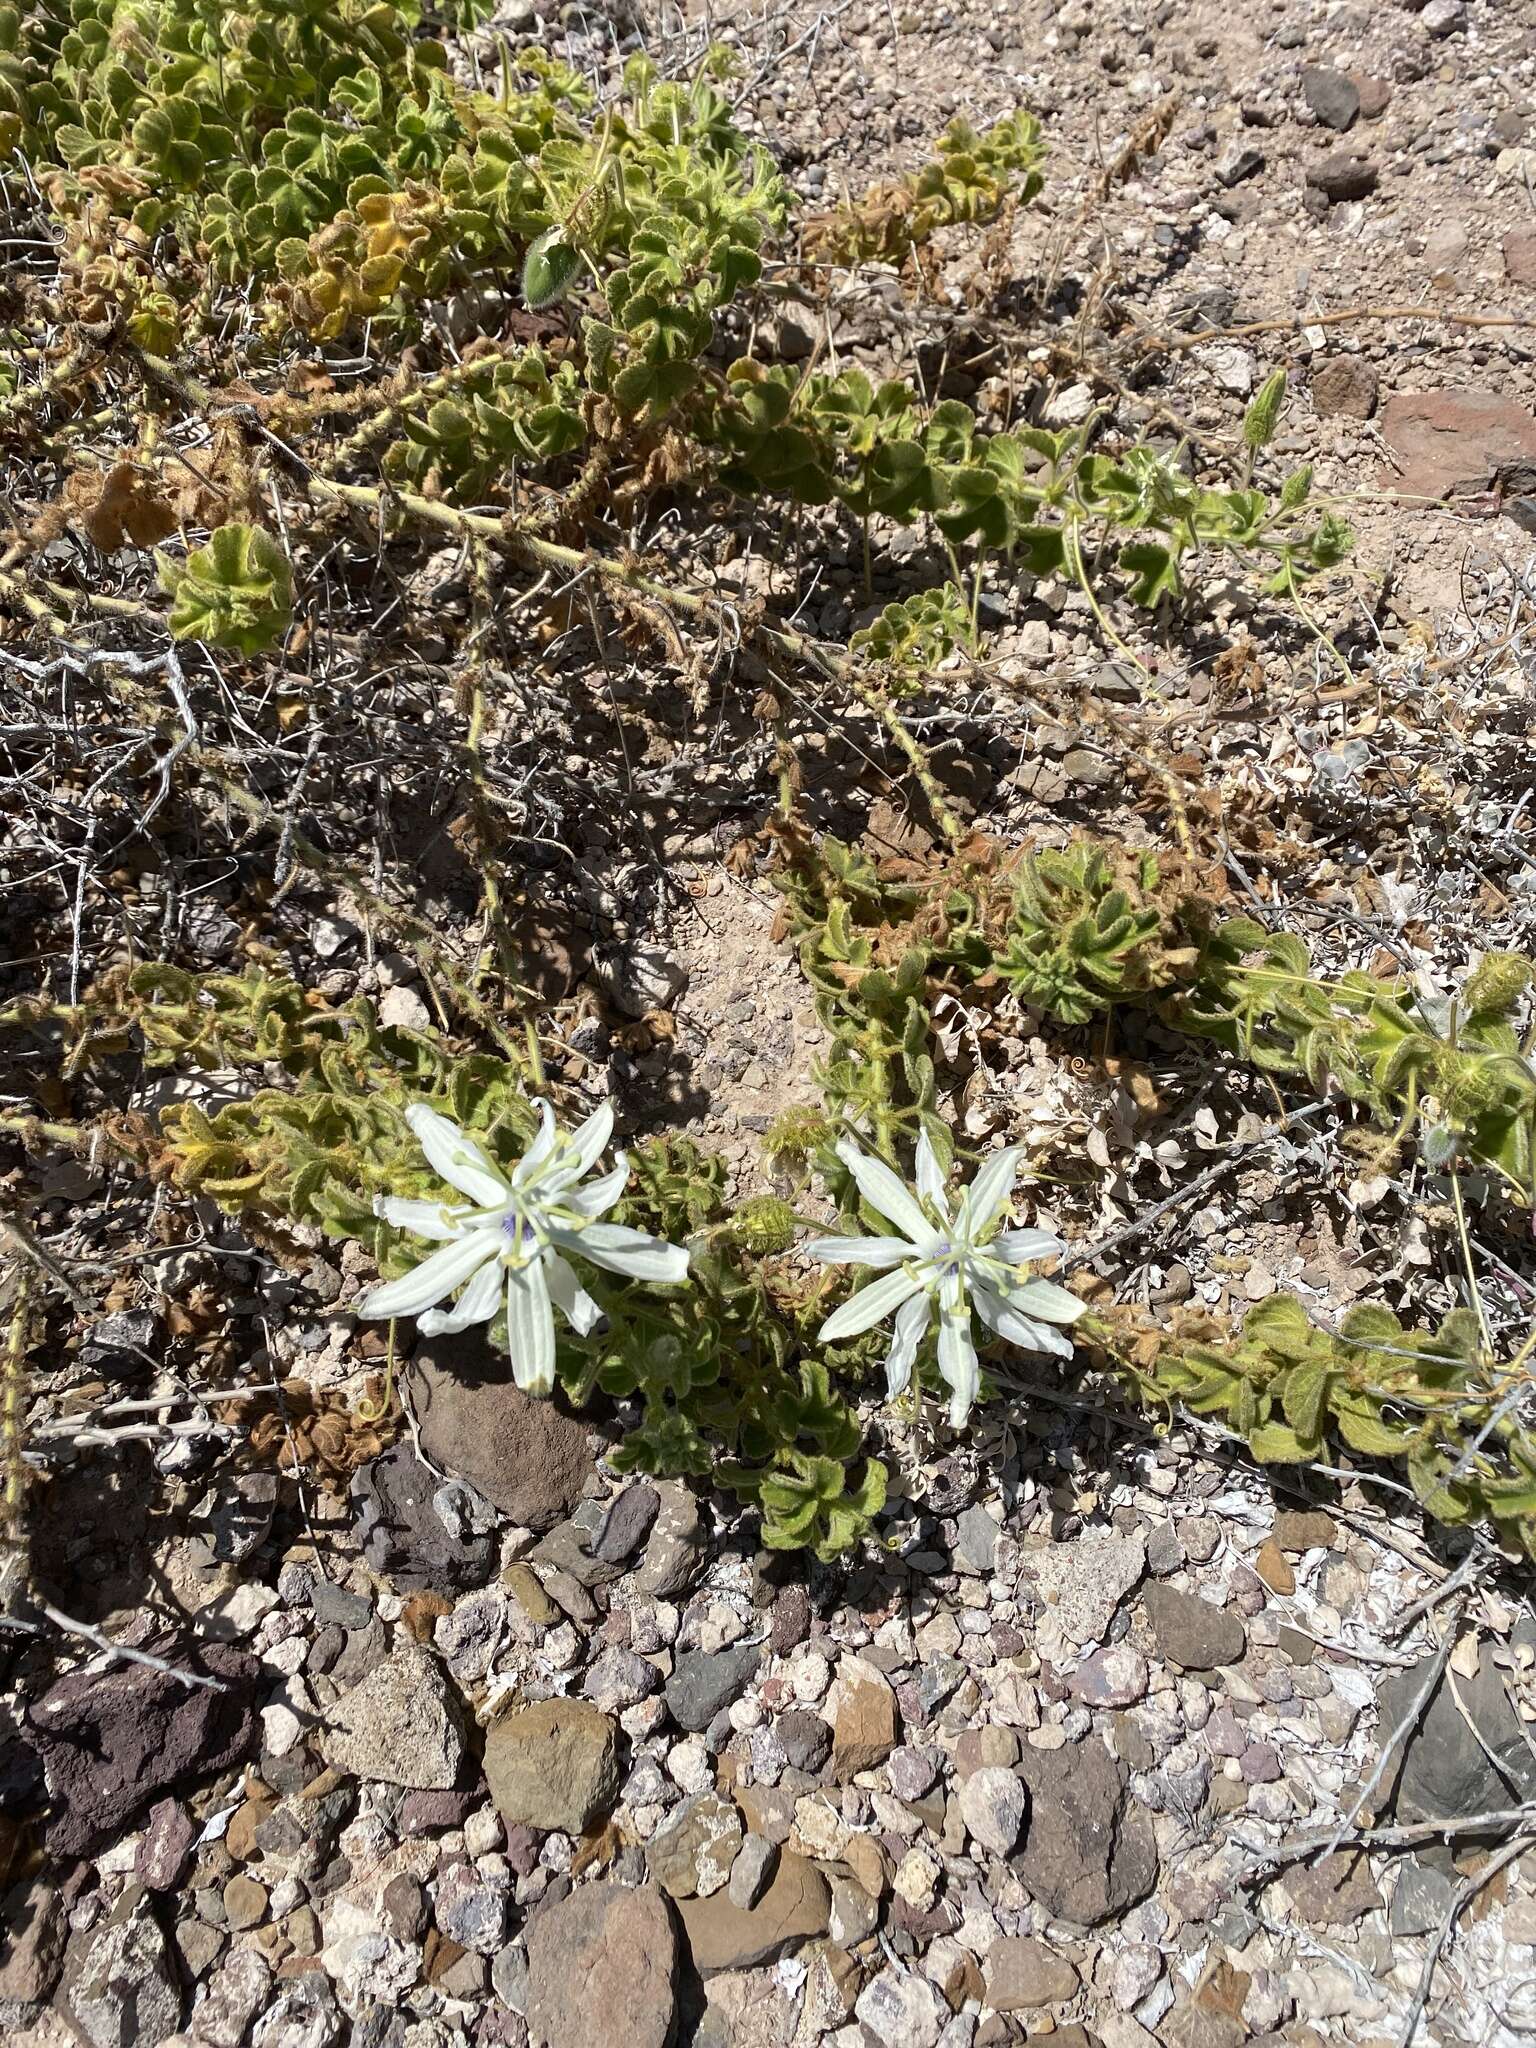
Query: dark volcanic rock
x,y
1453,1765
405,1538
704,1681
1332,95
113,1741
627,1524
1088,1850
1342,176
1191,1632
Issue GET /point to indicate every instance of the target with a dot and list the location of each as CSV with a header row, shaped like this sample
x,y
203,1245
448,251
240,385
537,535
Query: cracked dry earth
x,y
504,1750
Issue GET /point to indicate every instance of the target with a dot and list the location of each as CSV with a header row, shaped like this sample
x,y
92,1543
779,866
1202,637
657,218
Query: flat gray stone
x,y
1443,1770
402,1724
1421,1898
704,1681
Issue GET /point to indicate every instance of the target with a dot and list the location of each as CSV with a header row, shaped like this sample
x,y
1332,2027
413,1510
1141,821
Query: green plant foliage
x,y
236,592
763,1224
969,179
1026,493
808,1503
910,639
718,1365
1456,1072
1086,932
1292,1391
1262,418
326,148
550,268
325,160
319,1149
719,1368
503,410
1080,930
25,95
878,1076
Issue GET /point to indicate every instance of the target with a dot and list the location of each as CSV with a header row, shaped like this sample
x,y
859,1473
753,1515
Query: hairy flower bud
x,y
1263,415
1497,983
764,1224
549,269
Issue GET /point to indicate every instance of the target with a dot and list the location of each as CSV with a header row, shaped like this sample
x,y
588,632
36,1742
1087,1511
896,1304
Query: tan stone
x,y
1023,1973
865,1729
1272,1568
794,1909
869,1864
523,1583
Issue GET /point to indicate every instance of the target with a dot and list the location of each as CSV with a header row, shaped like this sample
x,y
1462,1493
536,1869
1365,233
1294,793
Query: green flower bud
x,y
550,269
1497,983
796,1133
1263,415
1297,487
764,1224
1468,1087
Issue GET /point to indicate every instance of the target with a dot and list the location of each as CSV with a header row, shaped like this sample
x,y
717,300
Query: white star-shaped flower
x,y
505,1241
944,1260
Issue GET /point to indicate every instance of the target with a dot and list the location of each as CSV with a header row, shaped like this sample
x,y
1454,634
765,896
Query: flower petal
x,y
544,1143
578,1153
878,1252
600,1194
886,1195
1043,1298
958,1363
988,1194
427,1284
911,1322
625,1251
530,1329
1015,1245
1006,1322
455,1155
570,1297
421,1219
477,1304
871,1305
930,1175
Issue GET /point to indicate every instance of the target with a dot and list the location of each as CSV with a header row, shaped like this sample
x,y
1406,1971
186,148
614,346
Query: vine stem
x,y
1074,548
556,554
514,538
1176,343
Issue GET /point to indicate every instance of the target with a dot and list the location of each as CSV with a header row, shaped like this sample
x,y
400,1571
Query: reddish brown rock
x,y
1520,257
865,1730
1335,1891
1343,176
1024,1973
112,1741
793,1910
1274,1569
602,1964
1089,1851
526,1456
1451,444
